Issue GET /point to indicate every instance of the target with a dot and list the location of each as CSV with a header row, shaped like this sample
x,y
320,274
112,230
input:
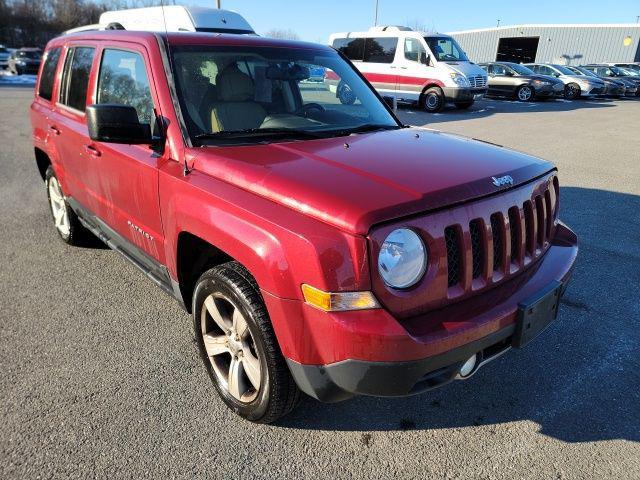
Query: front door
x,y
501,83
125,177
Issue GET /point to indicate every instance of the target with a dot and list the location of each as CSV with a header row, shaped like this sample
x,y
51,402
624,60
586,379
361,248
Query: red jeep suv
x,y
320,247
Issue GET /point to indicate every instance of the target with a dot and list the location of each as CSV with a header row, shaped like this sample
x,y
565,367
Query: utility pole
x,y
375,21
219,2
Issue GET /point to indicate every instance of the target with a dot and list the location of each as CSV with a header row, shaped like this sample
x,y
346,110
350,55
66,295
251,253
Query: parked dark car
x,y
25,60
629,66
617,73
613,88
4,57
507,79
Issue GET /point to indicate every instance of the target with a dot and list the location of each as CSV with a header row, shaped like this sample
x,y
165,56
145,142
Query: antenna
x,y
185,169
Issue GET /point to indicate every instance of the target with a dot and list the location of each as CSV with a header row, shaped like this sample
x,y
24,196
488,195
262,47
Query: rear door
x,y
124,178
67,123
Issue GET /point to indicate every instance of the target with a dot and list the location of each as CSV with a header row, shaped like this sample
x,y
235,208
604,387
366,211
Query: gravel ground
x,y
100,376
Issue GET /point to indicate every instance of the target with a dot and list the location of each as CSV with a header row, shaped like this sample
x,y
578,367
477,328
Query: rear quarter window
x,y
47,77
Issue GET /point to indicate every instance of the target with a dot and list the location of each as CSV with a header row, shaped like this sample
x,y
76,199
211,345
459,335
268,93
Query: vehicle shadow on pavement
x,y
490,106
578,381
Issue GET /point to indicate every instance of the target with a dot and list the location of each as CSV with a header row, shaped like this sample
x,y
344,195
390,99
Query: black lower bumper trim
x,y
342,380
454,94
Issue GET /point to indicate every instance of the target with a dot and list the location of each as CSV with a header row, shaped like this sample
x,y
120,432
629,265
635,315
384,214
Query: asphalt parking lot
x,y
100,375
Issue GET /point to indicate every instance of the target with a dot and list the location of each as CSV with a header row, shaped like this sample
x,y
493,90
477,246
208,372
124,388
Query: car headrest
x,y
234,85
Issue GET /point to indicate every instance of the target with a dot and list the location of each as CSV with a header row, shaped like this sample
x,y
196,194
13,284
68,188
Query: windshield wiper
x,y
367,127
258,133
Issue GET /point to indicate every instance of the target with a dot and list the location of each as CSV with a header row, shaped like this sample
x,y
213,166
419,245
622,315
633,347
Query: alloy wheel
x,y
230,347
524,94
59,207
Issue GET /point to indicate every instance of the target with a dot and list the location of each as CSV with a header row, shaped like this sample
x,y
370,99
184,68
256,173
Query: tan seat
x,y
235,108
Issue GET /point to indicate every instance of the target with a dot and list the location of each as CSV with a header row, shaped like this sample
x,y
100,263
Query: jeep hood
x,y
358,181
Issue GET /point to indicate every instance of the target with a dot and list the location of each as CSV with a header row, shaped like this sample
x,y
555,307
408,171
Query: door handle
x,y
393,66
93,151
55,130
403,68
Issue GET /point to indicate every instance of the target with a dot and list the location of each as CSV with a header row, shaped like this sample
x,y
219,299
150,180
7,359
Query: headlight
x,y
460,80
403,259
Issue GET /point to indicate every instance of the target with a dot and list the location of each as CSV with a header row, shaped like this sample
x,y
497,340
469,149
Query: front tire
x,y
239,347
572,91
525,93
66,221
433,99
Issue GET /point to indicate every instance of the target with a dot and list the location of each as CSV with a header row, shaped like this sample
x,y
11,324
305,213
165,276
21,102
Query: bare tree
x,y
285,34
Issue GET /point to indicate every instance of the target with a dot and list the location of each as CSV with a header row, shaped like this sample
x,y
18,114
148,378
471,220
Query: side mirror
x,y
425,59
391,102
508,74
113,123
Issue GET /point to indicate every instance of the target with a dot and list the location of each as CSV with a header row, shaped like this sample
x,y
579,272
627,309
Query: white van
x,y
172,18
427,68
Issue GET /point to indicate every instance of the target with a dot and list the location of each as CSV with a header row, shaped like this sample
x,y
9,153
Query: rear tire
x,y
525,93
463,105
433,99
572,91
241,355
67,224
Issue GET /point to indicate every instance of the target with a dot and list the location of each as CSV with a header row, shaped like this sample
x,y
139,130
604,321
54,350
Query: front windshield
x,y
520,69
576,70
238,94
628,71
563,70
446,49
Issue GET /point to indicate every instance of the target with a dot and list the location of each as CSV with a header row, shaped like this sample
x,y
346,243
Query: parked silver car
x,y
575,86
613,88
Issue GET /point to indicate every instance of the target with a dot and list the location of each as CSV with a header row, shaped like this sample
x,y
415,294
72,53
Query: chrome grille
x,y
478,81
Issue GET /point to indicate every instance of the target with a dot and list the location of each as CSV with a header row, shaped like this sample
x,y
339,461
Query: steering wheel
x,y
307,108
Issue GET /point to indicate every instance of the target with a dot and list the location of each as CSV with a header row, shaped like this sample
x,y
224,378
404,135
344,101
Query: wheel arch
x,y
42,161
426,87
195,256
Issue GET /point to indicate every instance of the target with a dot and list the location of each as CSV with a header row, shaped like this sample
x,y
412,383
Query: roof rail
x,y
391,28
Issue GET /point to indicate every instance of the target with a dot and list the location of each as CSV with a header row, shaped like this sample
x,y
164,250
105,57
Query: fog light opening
x,y
469,366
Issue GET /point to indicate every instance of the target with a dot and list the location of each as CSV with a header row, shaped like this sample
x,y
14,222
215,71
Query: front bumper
x,y
544,91
592,91
409,362
455,94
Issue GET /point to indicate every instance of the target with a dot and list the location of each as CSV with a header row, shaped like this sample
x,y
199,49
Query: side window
x,y
499,70
352,48
413,50
380,50
45,89
75,79
123,80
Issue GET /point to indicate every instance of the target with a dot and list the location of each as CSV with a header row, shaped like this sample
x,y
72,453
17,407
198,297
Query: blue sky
x,y
315,20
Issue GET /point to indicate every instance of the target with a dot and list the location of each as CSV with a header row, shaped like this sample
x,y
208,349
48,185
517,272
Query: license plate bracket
x,y
536,313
